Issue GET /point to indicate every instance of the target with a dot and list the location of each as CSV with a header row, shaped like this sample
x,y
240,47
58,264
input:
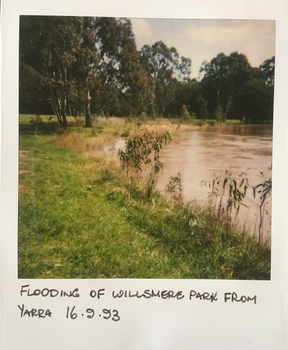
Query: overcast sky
x,y
201,40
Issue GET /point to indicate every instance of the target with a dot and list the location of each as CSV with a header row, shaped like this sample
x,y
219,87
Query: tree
x,y
239,71
72,61
85,67
254,101
223,76
190,95
119,67
47,54
268,67
168,70
215,73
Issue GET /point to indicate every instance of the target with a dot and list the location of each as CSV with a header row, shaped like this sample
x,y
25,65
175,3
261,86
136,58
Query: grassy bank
x,y
80,217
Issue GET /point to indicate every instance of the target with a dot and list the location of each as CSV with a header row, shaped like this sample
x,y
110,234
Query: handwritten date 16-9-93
x,y
106,314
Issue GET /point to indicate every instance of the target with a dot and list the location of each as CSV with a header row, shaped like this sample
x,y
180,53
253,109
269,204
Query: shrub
x,y
141,150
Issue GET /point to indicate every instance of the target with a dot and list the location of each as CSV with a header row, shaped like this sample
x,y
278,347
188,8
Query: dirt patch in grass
x,y
23,189
23,157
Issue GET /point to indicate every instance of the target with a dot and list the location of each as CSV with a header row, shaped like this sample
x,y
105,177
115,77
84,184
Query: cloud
x,y
202,40
205,39
255,39
141,28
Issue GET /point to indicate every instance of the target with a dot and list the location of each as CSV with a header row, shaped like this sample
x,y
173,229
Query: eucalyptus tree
x,y
254,101
239,71
168,70
223,77
215,74
119,68
85,67
268,67
78,62
47,53
71,61
191,97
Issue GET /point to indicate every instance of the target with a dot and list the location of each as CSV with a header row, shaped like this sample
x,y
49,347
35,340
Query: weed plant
x,y
227,195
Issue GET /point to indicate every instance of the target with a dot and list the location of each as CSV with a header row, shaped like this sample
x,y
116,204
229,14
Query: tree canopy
x,y
83,65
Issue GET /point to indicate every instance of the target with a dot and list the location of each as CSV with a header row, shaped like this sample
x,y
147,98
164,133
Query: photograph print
x,y
145,148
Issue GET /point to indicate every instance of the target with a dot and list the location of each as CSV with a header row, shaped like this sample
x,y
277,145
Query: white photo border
x,y
145,324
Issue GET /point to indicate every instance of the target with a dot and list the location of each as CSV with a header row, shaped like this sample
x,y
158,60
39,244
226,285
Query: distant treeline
x,y
90,65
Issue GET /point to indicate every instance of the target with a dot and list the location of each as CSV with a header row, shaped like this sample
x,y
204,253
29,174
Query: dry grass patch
x,y
23,157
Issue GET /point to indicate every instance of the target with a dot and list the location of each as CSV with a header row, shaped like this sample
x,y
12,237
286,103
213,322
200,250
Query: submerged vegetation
x,y
83,216
227,195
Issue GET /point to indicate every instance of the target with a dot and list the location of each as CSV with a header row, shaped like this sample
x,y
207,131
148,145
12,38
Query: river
x,y
201,155
241,151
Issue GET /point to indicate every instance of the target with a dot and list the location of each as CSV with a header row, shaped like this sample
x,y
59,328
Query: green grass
x,y
68,228
79,217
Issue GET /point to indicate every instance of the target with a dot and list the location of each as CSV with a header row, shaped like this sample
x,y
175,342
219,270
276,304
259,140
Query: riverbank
x,y
80,217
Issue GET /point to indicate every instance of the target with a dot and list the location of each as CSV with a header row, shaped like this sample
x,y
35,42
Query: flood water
x,y
236,150
201,155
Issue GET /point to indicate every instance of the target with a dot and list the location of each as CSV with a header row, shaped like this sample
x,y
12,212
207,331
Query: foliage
x,y
225,75
263,190
254,101
218,114
242,91
168,71
230,192
144,148
90,65
141,149
185,113
268,67
227,195
47,47
175,188
69,61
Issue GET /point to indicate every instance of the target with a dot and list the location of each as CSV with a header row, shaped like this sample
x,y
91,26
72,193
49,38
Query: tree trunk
x,y
218,98
64,120
88,120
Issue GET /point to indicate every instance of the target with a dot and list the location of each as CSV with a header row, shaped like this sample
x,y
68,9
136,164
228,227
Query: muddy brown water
x,y
201,155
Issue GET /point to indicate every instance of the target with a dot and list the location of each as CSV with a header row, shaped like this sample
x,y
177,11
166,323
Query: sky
x,y
201,40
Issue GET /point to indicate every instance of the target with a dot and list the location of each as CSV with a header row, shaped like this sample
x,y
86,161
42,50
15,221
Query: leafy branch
x,y
143,149
263,190
229,194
